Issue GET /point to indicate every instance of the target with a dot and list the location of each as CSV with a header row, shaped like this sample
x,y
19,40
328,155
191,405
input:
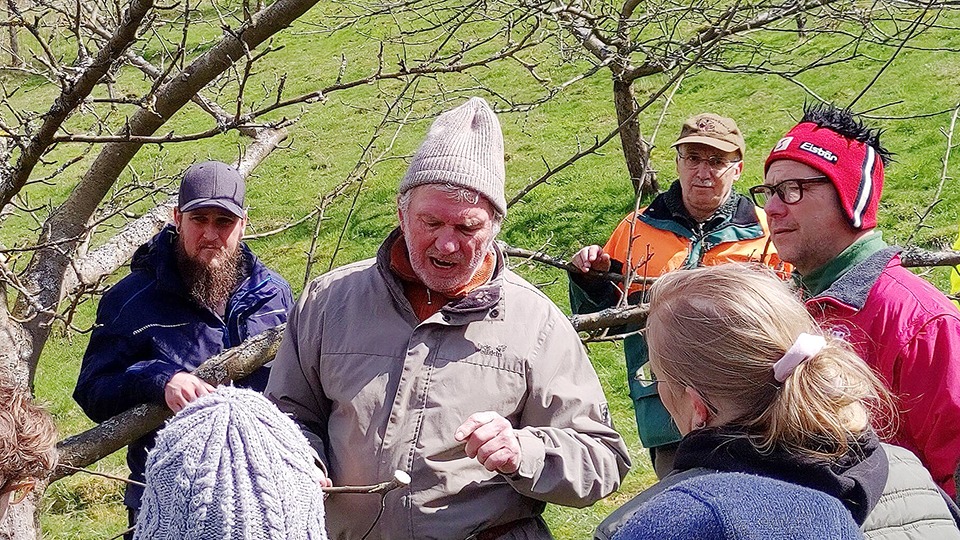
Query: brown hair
x,y
28,435
720,330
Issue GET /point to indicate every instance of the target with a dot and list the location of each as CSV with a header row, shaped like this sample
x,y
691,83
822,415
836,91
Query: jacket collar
x,y
482,302
856,479
852,288
670,206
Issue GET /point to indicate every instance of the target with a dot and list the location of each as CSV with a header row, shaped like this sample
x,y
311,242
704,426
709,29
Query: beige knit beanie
x,y
464,147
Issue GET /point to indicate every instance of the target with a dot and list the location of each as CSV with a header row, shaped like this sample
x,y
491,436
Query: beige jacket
x,y
379,391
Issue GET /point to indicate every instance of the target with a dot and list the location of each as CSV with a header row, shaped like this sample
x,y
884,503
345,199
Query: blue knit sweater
x,y
735,506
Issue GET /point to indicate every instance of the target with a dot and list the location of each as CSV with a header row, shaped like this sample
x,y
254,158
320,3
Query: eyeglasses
x,y
645,381
18,489
790,191
715,162
646,378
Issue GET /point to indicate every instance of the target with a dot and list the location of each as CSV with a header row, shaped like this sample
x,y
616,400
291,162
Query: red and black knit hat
x,y
855,168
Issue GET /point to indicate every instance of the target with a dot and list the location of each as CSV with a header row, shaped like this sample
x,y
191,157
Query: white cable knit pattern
x,y
231,466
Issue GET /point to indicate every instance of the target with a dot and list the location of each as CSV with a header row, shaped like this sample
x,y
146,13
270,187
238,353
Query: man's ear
x,y
400,217
701,416
177,217
739,169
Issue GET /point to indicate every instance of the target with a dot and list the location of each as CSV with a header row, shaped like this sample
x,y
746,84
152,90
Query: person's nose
x,y
705,171
446,242
775,206
210,232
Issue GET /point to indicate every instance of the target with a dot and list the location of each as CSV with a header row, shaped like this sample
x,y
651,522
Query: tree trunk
x,y
22,521
15,59
636,153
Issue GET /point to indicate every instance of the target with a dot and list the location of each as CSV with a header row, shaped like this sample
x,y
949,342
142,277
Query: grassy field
x,y
577,207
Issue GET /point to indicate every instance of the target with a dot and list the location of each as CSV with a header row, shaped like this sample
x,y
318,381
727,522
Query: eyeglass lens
x,y
789,191
695,160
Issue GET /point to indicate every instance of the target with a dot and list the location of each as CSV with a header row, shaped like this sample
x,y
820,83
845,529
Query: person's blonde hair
x,y
720,329
28,436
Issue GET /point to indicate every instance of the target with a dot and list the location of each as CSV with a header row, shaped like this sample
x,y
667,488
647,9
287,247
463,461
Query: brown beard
x,y
210,286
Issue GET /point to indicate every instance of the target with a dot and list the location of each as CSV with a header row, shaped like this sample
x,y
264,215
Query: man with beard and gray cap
x,y
193,291
435,359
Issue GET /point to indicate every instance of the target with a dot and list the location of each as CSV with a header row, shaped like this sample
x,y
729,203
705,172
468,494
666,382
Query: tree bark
x,y
14,44
636,153
22,521
107,437
611,317
916,257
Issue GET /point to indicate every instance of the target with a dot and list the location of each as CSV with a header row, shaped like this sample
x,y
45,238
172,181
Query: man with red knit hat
x,y
822,186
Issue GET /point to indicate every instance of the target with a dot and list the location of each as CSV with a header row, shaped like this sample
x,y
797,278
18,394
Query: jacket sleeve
x,y
294,383
589,294
119,371
570,452
929,384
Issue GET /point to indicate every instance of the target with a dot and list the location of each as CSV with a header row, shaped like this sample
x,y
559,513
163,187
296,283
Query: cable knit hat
x,y
464,147
231,466
855,168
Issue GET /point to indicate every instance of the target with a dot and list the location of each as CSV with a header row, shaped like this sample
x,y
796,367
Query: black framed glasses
x,y
790,191
715,162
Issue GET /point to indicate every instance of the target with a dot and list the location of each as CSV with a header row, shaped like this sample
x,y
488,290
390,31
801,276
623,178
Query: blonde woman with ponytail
x,y
779,408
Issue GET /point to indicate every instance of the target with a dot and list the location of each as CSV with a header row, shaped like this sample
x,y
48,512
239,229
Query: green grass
x,y
579,206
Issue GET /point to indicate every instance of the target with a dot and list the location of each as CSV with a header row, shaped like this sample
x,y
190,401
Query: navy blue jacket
x,y
725,506
148,329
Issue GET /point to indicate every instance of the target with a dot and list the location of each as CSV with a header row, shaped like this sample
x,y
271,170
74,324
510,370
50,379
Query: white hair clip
x,y
805,347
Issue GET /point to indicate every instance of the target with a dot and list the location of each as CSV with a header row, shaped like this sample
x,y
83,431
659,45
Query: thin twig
x,y
105,475
943,176
913,29
564,265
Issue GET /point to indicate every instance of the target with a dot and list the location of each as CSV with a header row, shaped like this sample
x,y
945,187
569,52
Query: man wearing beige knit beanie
x,y
435,359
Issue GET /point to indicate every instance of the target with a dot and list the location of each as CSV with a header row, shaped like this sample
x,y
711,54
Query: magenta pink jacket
x,y
909,333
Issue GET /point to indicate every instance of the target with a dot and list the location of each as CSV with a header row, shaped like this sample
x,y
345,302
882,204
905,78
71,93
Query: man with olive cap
x,y
699,221
193,291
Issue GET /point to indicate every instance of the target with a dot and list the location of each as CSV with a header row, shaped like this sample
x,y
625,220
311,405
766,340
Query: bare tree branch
x,y
109,436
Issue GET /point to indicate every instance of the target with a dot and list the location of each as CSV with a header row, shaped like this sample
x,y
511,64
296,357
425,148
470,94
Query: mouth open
x,y
440,263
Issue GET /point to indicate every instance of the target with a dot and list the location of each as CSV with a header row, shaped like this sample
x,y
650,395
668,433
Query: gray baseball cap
x,y
212,184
